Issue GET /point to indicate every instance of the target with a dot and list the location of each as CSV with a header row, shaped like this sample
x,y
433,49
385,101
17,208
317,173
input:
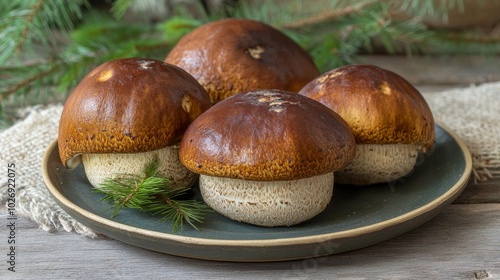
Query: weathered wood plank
x,y
463,242
481,192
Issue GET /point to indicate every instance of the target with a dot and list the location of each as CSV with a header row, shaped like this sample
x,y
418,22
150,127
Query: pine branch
x,y
329,15
151,193
28,81
110,40
29,22
120,7
437,10
334,34
179,211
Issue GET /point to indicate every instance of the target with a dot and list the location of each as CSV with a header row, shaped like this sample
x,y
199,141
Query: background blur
x,y
47,46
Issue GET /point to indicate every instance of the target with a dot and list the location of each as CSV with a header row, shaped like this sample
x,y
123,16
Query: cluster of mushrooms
x,y
241,109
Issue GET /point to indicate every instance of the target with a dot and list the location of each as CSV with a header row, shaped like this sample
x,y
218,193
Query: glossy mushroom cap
x,y
380,106
129,106
267,135
235,55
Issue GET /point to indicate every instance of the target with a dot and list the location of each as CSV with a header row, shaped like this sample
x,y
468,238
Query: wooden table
x,y
463,242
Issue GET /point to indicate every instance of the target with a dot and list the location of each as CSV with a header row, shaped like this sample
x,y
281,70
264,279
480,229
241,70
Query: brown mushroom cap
x,y
235,55
129,106
267,135
380,106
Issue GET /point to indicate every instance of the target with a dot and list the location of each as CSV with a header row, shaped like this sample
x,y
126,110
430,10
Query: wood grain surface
x,y
463,242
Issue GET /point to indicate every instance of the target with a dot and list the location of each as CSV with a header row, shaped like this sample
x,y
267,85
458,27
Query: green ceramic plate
x,y
356,217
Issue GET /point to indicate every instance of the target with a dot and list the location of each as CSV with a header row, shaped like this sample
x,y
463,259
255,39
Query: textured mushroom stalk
x,y
388,116
125,111
99,167
269,204
267,157
375,163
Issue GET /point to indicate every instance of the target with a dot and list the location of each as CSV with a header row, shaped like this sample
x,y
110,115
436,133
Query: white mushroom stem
x,y
378,163
99,167
271,203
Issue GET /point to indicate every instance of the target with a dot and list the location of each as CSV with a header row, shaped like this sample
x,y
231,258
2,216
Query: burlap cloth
x,y
473,113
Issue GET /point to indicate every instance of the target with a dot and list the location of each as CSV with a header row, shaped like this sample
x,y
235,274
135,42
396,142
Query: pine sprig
x,y
330,15
179,211
98,38
28,22
152,194
120,7
131,191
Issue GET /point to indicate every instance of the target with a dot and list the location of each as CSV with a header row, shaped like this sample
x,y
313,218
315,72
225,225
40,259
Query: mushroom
x,y
390,119
267,157
126,112
234,55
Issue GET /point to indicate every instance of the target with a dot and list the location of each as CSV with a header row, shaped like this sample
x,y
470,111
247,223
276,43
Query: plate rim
x,y
308,239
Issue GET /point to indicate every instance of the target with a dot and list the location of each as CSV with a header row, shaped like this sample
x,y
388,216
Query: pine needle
x,y
179,211
34,63
24,23
151,193
329,15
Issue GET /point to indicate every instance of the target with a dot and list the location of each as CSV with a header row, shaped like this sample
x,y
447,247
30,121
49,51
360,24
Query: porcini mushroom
x,y
234,55
267,157
390,119
126,112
